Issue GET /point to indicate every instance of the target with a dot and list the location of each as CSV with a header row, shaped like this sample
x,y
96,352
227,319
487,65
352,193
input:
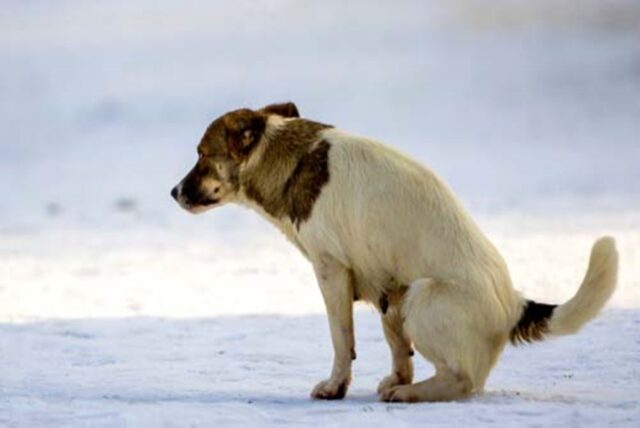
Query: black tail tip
x,y
533,323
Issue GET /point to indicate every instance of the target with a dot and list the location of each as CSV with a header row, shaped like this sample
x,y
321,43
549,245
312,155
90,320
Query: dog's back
x,y
390,218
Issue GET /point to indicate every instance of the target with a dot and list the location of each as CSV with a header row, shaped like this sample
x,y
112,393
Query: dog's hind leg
x,y
448,325
445,385
401,351
337,290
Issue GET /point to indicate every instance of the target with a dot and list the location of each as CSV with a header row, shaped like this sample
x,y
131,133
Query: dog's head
x,y
226,144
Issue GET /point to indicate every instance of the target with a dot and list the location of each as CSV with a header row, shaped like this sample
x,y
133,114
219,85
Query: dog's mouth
x,y
200,206
208,202
194,201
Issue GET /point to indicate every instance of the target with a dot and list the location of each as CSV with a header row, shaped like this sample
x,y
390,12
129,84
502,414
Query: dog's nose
x,y
174,193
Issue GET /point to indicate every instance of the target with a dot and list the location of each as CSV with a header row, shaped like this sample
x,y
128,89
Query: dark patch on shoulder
x,y
533,323
306,182
291,172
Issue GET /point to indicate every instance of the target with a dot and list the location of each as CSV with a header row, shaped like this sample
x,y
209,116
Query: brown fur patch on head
x,y
243,129
292,170
233,134
288,175
227,142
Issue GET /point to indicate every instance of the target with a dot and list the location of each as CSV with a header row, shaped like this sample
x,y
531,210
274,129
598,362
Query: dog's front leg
x,y
337,290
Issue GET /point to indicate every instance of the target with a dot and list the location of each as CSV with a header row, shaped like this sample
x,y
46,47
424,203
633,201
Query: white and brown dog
x,y
381,228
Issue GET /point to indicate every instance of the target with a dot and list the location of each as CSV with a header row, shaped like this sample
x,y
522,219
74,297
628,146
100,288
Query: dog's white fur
x,y
384,221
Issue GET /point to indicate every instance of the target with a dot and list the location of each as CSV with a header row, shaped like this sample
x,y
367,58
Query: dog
x,y
381,228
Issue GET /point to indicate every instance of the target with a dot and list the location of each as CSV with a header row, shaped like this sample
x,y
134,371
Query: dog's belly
x,y
377,287
369,289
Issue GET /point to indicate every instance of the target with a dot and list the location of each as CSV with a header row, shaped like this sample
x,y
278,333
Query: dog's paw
x,y
399,394
330,390
390,381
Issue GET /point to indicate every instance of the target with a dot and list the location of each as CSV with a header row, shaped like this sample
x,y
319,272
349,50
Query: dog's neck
x,y
274,166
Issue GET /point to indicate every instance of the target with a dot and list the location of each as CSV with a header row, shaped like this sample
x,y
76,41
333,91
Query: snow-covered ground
x,y
258,371
151,328
118,309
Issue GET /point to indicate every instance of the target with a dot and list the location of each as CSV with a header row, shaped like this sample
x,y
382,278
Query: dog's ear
x,y
282,109
243,129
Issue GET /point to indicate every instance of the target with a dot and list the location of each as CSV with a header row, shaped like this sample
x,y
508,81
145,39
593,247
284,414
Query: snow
x,y
118,309
258,370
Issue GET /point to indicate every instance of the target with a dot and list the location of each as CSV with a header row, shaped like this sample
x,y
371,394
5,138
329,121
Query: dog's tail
x,y
539,319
